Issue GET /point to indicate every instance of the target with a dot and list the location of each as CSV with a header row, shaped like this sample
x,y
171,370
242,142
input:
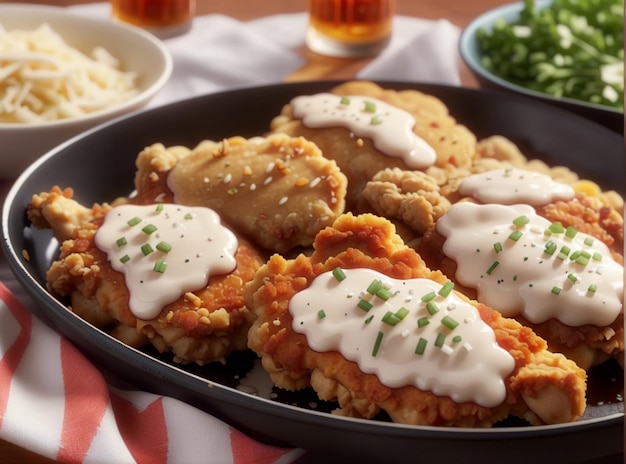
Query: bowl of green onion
x,y
566,52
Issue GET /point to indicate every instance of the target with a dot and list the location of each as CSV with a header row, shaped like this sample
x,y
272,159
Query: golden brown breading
x,y
359,160
543,388
201,326
277,191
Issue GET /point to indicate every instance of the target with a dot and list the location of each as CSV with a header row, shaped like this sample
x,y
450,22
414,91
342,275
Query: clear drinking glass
x,y
349,28
163,17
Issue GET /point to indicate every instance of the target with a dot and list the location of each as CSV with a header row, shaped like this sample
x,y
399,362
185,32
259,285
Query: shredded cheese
x,y
42,78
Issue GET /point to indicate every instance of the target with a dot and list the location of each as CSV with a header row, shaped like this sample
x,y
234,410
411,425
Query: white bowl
x,y
137,50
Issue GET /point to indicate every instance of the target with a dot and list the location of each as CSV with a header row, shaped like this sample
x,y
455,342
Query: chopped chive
x,y
365,305
516,235
570,232
321,314
521,220
597,256
574,256
446,289
146,249
369,319
120,242
390,318
402,312
588,241
565,250
550,247
582,260
592,288
421,346
457,339
160,265
159,207
344,101
572,278
370,107
493,267
338,274
164,247
422,321
134,221
384,293
149,229
432,308
449,322
374,286
188,216
376,120
556,228
497,247
429,296
441,338
556,290
124,259
379,339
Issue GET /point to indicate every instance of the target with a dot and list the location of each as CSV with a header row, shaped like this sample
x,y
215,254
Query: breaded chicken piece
x,y
542,387
277,191
587,345
359,159
202,326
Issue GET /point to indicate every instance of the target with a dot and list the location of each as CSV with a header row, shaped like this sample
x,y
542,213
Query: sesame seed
x,y
270,167
315,181
228,178
282,201
268,180
252,186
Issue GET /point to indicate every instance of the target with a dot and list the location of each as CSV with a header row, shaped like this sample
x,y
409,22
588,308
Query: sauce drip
x,y
390,128
511,185
459,355
532,269
164,251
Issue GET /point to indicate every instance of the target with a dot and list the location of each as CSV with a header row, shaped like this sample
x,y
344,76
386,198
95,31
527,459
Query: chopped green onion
x,y
570,232
146,249
384,293
516,235
440,340
497,247
338,274
160,265
390,318
159,207
379,339
120,242
421,346
556,290
572,278
422,321
124,259
369,319
321,314
374,286
134,221
376,120
592,288
556,228
188,216
521,220
582,260
550,247
164,247
446,289
429,296
493,267
597,256
449,322
370,107
149,229
588,241
457,339
365,305
402,313
344,101
432,308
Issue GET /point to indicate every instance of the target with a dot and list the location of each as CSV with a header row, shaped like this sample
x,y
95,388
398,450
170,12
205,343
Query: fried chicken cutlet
x,y
127,270
364,322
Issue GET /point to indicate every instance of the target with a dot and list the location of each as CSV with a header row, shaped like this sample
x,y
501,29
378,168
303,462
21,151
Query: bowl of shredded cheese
x,y
62,74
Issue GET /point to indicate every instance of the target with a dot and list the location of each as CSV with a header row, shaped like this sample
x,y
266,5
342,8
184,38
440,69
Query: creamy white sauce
x,y
511,185
471,367
200,247
390,128
527,279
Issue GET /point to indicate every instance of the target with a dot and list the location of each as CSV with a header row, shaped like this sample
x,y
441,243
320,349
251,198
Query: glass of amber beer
x,y
162,17
349,28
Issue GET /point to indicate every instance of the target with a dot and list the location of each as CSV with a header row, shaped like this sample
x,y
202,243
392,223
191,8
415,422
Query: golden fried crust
x,y
359,160
588,345
201,326
369,241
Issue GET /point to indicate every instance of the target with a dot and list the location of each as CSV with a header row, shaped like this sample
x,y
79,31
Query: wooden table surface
x,y
460,13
